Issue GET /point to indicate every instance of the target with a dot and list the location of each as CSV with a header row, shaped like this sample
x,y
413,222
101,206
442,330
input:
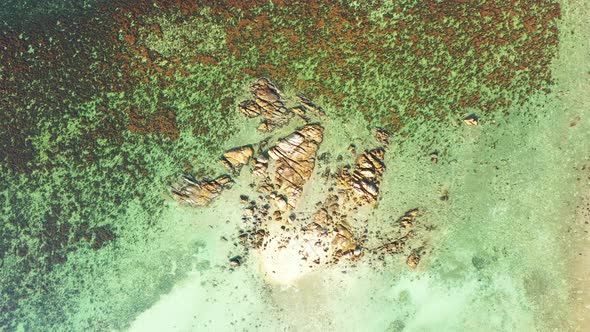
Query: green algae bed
x,y
103,104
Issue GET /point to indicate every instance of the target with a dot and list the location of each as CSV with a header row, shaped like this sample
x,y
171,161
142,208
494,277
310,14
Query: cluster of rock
x,y
334,234
398,245
325,234
267,103
363,182
200,193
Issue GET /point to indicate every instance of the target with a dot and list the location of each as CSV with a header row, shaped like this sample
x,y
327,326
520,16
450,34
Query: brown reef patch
x,y
162,122
422,41
419,40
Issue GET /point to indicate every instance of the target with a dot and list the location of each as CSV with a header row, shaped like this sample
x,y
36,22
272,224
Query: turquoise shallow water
x,y
499,252
504,251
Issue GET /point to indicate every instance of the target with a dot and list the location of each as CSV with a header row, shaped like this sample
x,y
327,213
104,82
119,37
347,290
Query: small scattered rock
x,y
244,199
235,158
235,261
471,120
413,259
434,157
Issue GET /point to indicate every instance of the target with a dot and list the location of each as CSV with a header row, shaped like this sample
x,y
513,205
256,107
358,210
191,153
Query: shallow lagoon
x,y
506,249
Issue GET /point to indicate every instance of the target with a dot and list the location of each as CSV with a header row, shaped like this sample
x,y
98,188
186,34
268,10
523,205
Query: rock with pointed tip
x,y
295,156
235,158
268,103
200,193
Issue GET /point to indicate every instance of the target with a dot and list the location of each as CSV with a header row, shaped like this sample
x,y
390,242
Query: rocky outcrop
x,y
234,159
267,103
363,182
294,156
200,193
382,136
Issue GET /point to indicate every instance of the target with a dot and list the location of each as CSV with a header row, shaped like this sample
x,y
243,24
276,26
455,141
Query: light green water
x,y
500,256
497,257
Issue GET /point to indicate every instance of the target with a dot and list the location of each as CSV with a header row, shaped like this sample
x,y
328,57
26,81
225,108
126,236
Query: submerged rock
x,y
235,261
308,105
200,193
434,157
395,246
413,259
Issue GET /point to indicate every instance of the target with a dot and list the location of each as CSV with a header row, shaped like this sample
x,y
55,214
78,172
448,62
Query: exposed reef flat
x,y
107,102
